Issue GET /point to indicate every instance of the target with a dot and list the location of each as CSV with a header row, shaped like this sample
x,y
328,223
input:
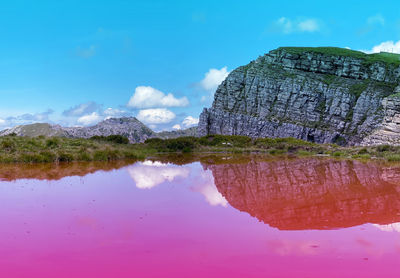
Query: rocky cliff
x,y
311,193
325,95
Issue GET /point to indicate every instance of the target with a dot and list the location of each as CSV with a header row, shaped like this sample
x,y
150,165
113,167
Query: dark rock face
x,y
311,193
310,96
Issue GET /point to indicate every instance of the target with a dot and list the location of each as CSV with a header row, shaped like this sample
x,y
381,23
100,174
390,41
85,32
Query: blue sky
x,y
78,62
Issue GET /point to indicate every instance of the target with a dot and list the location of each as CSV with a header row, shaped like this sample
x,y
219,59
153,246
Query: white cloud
x,y
388,46
287,25
149,174
190,121
176,127
155,116
148,97
27,118
89,119
81,109
213,78
376,20
113,112
308,25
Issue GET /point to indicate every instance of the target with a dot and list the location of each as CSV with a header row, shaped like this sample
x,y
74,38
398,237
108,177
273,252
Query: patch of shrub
x,y
52,142
117,139
361,156
338,154
180,144
30,158
48,156
8,145
363,151
383,148
100,155
304,153
84,156
226,141
393,157
65,157
276,151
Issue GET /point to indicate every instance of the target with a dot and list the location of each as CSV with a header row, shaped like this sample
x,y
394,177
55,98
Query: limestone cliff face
x,y
312,94
311,193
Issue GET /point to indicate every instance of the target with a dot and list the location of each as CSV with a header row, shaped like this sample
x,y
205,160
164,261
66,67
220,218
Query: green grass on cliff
x,y
368,59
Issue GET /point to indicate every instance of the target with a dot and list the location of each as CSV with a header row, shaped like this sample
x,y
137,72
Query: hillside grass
x,y
14,149
368,59
60,149
270,146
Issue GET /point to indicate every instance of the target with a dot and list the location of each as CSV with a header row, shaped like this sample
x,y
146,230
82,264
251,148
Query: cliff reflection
x,y
51,171
311,193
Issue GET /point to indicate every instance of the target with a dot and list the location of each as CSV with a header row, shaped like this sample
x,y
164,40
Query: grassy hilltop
x,y
382,57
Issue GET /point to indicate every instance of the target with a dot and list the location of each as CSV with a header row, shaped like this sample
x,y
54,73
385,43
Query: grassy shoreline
x,y
15,149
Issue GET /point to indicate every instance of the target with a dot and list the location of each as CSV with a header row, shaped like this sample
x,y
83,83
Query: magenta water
x,y
250,218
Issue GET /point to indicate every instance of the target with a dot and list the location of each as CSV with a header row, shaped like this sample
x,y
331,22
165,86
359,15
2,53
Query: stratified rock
x,y
325,95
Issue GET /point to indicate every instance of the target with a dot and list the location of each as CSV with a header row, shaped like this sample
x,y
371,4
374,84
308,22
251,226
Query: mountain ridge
x,y
129,127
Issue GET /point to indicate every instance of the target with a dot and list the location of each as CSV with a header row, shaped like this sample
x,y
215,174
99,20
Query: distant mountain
x,y
129,127
33,130
192,131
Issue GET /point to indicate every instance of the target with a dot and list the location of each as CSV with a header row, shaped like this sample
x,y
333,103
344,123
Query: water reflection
x,y
149,174
312,193
149,220
52,171
289,194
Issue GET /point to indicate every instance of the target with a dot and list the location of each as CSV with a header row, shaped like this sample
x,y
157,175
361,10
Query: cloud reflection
x,y
207,187
394,227
149,174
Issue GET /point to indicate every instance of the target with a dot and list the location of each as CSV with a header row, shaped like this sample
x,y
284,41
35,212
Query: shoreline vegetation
x,y
41,149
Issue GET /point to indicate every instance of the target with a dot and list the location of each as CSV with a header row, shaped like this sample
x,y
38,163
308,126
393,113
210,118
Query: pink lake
x,y
206,217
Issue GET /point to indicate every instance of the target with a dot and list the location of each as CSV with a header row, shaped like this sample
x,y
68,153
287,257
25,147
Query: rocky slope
x,y
129,127
325,95
311,193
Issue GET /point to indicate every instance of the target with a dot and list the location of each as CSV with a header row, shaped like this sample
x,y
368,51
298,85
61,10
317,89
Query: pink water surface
x,y
156,219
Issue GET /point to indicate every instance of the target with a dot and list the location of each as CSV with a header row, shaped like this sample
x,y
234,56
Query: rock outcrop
x,y
325,95
311,193
130,127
